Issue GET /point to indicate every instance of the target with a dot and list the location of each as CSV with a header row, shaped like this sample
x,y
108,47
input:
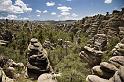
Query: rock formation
x,y
111,71
38,62
93,51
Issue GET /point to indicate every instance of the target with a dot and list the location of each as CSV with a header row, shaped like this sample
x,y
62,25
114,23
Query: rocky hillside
x,y
70,48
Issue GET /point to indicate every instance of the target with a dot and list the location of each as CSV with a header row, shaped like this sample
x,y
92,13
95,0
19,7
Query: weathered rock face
x,y
111,71
93,51
38,62
91,56
98,42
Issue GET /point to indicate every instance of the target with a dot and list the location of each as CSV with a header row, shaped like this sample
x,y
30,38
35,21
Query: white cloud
x,y
22,5
74,15
45,11
65,13
68,16
10,17
38,11
18,7
108,1
38,15
50,3
53,13
64,8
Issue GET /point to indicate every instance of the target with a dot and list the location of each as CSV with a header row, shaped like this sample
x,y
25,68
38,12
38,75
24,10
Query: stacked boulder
x,y
111,71
38,62
93,51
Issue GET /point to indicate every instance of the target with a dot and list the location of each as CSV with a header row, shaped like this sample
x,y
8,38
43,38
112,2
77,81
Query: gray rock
x,y
47,78
116,77
94,78
121,72
97,71
34,40
108,66
118,50
117,60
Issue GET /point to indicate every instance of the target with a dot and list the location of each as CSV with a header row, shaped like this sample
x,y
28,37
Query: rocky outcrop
x,y
111,71
38,62
101,29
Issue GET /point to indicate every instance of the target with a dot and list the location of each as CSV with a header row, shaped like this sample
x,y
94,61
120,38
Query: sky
x,y
56,9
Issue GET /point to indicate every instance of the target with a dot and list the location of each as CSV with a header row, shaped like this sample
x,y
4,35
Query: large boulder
x,y
91,56
94,78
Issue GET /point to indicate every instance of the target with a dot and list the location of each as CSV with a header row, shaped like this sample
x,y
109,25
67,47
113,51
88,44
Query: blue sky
x,y
56,9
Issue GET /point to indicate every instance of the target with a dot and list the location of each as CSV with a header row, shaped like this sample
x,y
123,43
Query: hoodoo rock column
x,y
38,62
